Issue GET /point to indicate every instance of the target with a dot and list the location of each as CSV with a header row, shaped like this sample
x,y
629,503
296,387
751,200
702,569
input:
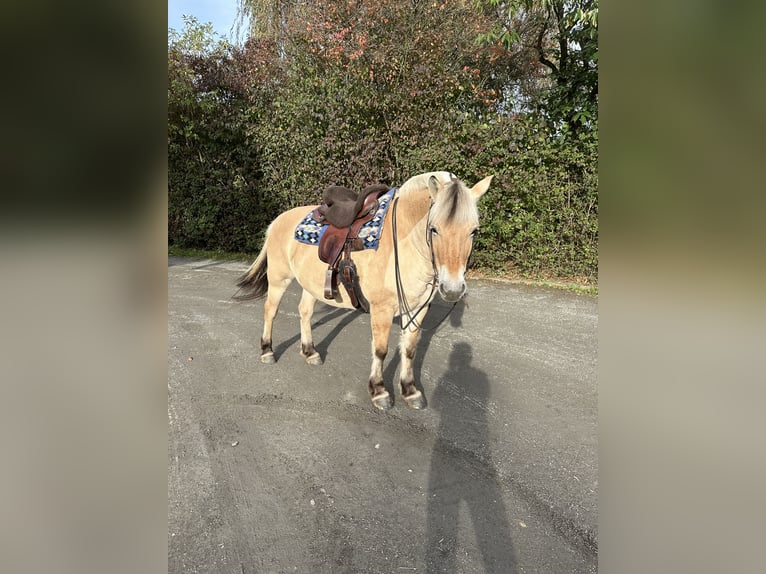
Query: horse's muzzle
x,y
452,286
452,294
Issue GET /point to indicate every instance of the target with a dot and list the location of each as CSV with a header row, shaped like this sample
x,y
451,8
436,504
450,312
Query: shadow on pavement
x,y
461,482
324,344
211,264
174,260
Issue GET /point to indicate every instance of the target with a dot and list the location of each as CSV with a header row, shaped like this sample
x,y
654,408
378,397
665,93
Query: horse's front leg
x,y
407,345
380,320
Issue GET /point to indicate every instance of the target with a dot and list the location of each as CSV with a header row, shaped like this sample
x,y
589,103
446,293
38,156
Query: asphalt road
x,y
289,467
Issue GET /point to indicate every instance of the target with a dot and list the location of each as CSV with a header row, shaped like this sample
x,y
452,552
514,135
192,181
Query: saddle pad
x,y
310,231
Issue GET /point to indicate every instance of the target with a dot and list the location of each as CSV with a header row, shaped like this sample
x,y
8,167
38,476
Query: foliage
x,y
213,170
558,40
541,214
349,92
363,98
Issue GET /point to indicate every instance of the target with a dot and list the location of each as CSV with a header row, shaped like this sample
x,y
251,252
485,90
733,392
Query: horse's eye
x,y
474,232
434,231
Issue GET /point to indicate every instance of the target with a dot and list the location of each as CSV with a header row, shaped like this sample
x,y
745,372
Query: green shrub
x,y
256,130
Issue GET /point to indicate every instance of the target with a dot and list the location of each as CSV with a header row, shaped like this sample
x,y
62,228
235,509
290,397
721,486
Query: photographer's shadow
x,y
465,477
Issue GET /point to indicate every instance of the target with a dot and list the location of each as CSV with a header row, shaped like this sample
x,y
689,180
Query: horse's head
x,y
452,223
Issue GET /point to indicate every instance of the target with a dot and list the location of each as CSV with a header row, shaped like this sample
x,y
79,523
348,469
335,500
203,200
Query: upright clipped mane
x,y
454,205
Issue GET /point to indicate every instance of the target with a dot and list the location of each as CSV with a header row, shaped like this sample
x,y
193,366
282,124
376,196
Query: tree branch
x,y
539,47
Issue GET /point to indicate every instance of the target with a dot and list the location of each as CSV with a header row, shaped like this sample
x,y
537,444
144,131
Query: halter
x,y
403,305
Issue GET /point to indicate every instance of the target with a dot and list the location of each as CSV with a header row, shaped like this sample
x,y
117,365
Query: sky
x,y
221,13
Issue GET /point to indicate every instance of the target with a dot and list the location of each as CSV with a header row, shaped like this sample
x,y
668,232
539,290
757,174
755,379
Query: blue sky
x,y
221,13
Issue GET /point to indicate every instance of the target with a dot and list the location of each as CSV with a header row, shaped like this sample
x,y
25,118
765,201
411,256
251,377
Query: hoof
x,y
314,359
268,358
382,401
416,400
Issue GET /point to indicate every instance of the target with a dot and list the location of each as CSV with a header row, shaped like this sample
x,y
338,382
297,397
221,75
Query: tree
x,y
213,169
270,19
348,92
560,36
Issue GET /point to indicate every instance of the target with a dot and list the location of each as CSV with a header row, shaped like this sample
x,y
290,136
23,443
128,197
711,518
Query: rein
x,y
403,305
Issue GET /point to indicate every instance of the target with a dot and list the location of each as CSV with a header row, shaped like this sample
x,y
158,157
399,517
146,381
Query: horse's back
x,y
280,238
289,220
289,258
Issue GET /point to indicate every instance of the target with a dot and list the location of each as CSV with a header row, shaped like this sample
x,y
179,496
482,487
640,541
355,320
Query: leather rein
x,y
403,305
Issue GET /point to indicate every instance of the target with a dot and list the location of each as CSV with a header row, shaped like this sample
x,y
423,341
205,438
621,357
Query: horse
x,y
426,241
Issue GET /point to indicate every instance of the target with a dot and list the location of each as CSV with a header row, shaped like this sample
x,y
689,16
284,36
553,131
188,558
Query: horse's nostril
x,y
452,295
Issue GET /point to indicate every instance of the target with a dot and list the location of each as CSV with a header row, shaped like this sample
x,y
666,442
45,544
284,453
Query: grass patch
x,y
581,285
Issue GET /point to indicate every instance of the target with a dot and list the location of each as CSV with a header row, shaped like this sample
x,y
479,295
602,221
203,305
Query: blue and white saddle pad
x,y
310,231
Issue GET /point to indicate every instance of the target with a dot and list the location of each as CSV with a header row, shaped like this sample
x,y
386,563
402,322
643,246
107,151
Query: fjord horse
x,y
426,241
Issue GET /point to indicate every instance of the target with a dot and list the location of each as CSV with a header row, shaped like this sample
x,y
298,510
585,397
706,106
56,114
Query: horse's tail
x,y
254,284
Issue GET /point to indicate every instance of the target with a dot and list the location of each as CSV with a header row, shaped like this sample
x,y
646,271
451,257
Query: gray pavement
x,y
289,467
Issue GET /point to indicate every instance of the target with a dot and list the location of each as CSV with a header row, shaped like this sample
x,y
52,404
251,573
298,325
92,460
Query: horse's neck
x,y
416,199
411,222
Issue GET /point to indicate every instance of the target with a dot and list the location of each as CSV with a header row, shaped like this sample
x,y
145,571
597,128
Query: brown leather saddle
x,y
345,212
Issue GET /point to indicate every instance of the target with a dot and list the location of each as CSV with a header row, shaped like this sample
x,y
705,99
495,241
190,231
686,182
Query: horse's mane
x,y
453,204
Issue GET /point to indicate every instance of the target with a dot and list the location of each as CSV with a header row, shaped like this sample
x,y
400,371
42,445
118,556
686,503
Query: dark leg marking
x,y
412,396
267,354
407,382
310,353
381,398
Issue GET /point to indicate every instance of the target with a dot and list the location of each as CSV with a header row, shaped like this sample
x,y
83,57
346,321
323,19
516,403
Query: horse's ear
x,y
480,188
433,186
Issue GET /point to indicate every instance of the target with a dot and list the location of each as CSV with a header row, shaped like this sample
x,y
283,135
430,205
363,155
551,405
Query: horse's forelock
x,y
454,205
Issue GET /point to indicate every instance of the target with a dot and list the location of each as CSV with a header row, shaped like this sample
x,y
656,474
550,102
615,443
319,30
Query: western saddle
x,y
345,212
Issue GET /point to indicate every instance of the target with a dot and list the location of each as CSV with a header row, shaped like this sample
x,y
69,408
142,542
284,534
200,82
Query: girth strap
x,y
345,267
350,280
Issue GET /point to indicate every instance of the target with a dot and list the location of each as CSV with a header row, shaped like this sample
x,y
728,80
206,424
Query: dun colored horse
x,y
426,241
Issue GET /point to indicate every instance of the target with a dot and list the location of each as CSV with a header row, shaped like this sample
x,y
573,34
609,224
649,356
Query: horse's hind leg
x,y
306,309
407,346
270,307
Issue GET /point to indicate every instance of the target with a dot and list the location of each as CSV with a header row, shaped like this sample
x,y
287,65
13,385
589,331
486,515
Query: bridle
x,y
403,305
